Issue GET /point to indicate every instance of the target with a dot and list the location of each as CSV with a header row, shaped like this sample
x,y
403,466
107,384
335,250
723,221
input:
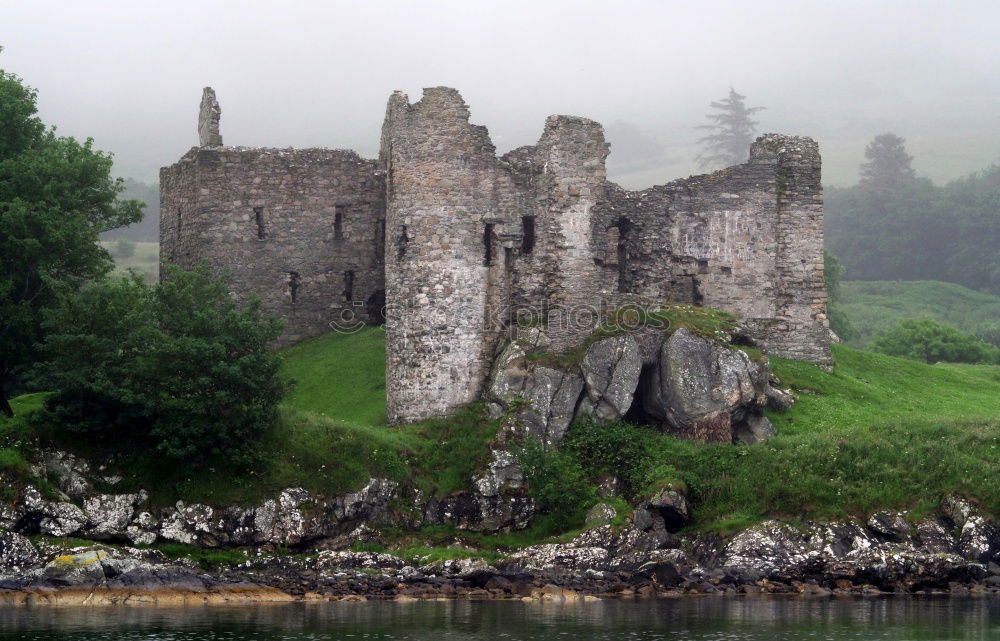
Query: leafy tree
x,y
732,131
888,165
178,366
833,271
56,196
929,341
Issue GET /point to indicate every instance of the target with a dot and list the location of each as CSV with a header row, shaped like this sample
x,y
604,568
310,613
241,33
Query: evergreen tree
x,y
888,165
732,131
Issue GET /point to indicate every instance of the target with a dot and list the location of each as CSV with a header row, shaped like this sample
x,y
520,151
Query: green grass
x,y
874,307
339,375
879,432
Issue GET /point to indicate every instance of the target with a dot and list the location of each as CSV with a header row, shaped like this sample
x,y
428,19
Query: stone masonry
x,y
460,245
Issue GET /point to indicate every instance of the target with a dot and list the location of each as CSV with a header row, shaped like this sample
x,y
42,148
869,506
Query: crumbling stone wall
x,y
302,229
463,245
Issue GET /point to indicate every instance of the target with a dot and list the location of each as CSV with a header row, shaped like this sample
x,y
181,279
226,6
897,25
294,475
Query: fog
x,y
318,73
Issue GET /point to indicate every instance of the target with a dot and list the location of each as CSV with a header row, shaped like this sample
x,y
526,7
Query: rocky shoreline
x,y
887,555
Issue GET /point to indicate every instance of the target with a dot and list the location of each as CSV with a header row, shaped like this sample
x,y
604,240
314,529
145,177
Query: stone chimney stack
x,y
208,120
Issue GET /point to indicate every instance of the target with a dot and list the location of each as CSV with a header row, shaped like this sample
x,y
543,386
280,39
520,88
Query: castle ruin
x,y
450,245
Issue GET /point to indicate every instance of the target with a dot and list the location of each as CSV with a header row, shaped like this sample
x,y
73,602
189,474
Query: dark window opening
x,y
528,239
338,222
258,215
375,307
349,285
402,240
488,244
293,285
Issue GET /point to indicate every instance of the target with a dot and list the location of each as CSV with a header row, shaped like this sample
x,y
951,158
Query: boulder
x,y
109,515
600,514
544,398
17,554
755,428
611,371
704,390
666,510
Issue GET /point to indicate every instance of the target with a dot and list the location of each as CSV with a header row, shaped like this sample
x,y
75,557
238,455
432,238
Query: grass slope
x,y
878,432
874,307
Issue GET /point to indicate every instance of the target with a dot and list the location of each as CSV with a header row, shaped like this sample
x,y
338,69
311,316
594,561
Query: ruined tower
x,y
459,243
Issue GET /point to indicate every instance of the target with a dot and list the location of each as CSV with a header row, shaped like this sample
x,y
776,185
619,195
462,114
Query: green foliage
x,y
915,230
558,484
731,132
833,272
613,449
875,307
930,341
445,453
56,196
177,365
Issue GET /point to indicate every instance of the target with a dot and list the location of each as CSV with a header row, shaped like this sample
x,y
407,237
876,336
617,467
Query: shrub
x,y
930,341
558,484
178,366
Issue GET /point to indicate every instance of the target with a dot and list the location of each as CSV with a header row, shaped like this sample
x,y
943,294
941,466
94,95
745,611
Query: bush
x,y
558,484
178,366
930,341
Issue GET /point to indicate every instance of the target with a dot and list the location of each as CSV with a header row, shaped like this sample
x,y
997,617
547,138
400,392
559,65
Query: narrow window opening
x,y
528,238
338,222
349,285
293,285
402,240
488,244
258,215
621,252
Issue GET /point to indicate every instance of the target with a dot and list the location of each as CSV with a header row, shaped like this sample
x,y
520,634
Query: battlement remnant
x,y
453,246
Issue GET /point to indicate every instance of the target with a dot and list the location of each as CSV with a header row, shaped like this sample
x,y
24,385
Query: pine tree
x,y
888,166
732,131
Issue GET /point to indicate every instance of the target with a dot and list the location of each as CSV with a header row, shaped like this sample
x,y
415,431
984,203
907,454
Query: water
x,y
710,619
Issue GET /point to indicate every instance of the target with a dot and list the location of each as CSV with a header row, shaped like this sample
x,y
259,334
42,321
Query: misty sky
x,y
302,74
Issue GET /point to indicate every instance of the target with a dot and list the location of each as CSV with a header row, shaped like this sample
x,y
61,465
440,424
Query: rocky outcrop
x,y
611,370
541,398
707,391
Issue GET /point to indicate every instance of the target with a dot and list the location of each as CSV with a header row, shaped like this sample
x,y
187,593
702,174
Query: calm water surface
x,y
684,619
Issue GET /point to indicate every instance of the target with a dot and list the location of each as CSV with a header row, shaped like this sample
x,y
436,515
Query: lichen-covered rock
x,y
70,472
344,559
702,389
503,472
55,518
978,539
600,514
891,525
17,554
188,524
546,397
109,515
611,371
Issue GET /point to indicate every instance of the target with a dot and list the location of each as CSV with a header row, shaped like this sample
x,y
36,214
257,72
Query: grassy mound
x,y
874,307
878,432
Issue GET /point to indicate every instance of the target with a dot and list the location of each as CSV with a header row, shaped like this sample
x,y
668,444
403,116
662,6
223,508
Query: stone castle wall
x,y
301,229
458,241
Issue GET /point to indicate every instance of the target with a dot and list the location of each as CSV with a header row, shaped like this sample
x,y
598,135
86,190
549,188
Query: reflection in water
x,y
712,619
